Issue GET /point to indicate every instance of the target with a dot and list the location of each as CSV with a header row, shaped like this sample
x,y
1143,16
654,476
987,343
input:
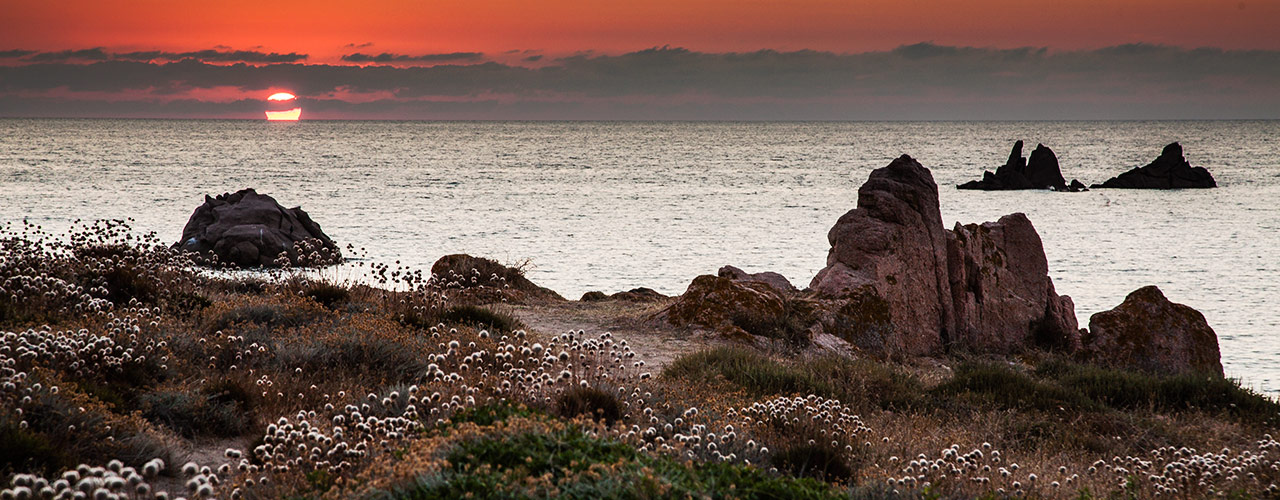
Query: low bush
x,y
999,385
480,317
329,295
595,403
193,415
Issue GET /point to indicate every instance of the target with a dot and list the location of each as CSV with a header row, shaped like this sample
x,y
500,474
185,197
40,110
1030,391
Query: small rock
x,y
250,229
770,278
1148,332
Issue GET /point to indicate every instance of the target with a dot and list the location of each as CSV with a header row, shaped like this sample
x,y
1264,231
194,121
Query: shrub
x,y
1004,387
819,460
22,450
193,414
595,403
327,294
481,317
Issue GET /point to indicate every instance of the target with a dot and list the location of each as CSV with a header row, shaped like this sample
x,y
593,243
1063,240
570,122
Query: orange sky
x,y
322,28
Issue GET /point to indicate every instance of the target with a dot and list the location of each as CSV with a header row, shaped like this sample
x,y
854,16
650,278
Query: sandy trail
x,y
626,320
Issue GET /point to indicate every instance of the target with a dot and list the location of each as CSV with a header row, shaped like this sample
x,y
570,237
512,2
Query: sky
x,y
661,59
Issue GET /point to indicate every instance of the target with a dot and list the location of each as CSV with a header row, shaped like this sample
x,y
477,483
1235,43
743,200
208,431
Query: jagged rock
x,y
641,294
1040,172
1004,299
487,279
250,229
893,246
1170,171
726,306
1077,186
770,278
1148,332
897,281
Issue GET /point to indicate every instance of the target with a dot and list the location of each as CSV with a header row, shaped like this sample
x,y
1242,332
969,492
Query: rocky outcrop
x,y
1003,297
641,294
1040,172
250,229
727,306
1170,171
920,289
770,278
893,245
1148,332
487,279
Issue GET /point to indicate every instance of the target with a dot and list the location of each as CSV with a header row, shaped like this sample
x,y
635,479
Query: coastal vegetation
x,y
126,371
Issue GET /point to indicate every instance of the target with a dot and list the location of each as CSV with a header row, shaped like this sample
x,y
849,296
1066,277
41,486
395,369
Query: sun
x,y
283,107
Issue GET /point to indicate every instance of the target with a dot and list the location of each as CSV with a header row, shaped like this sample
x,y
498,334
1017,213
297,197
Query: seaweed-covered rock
x,y
1148,332
250,229
1170,171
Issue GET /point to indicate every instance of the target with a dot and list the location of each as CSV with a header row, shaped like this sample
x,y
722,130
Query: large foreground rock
x,y
894,273
1148,332
1170,171
727,306
1004,299
249,229
1041,172
894,247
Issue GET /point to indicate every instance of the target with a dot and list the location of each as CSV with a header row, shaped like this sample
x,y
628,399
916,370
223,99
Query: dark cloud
x,y
387,57
94,54
364,45
920,81
533,58
98,54
15,53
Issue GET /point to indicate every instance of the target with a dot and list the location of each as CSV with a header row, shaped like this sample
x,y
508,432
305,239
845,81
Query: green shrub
x,y
327,294
1002,386
819,460
595,403
25,451
489,414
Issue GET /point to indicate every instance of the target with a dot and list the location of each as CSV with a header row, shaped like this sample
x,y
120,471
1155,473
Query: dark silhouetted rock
x,y
1148,332
897,282
487,279
894,247
1004,299
726,306
249,229
1077,186
1040,172
1170,171
770,278
641,294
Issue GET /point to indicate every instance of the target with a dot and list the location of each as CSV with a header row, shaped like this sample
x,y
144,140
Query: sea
x,y
611,206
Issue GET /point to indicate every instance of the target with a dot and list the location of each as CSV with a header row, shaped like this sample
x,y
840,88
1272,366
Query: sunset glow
x,y
290,115
281,96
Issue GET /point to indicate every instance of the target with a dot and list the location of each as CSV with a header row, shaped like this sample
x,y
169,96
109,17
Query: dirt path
x,y
626,320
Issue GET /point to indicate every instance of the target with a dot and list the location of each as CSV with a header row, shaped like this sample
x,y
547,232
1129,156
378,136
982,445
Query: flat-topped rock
x,y
770,278
248,229
1169,171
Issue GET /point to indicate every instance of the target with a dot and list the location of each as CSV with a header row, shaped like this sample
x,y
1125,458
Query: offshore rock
x,y
1170,171
1040,172
770,278
249,229
1148,332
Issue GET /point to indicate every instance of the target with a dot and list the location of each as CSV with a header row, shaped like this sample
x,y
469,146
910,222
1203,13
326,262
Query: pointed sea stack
x,y
1041,172
1170,171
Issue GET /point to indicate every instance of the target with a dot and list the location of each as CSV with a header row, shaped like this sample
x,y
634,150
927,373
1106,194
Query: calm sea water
x,y
612,206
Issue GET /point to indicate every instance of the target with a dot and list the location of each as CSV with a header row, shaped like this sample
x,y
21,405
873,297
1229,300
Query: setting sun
x,y
282,107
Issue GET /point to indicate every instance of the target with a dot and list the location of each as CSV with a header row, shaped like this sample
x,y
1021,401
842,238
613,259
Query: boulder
x,y
727,306
770,278
1040,172
893,245
1170,171
1004,299
897,281
249,229
1148,332
487,279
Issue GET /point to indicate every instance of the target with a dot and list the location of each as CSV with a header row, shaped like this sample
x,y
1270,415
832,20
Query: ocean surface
x,y
612,206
